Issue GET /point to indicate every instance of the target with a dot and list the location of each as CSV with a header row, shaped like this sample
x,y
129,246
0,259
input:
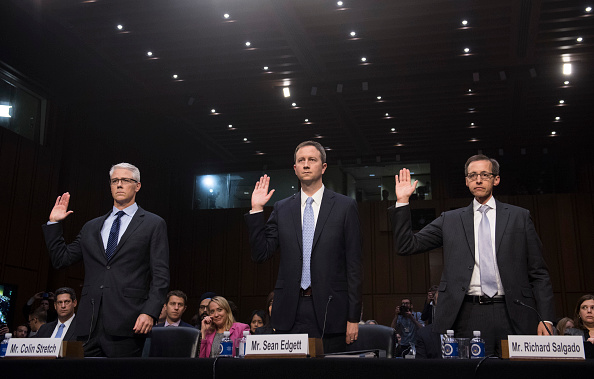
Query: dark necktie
x,y
112,241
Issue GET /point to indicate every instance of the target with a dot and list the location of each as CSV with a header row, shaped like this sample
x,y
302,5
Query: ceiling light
x,y
174,76
363,59
226,15
371,174
387,115
339,3
230,126
286,92
5,110
464,22
470,90
293,104
588,9
579,39
379,97
248,44
265,68
467,50
213,111
566,82
149,53
393,129
561,101
566,68
120,26
557,118
245,140
307,120
353,34
553,133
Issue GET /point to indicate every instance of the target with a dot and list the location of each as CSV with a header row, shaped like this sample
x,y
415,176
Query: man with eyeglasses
x,y
64,326
126,259
492,260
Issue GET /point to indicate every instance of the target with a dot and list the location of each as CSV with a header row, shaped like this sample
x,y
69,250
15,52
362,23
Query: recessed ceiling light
x,y
265,68
387,115
293,104
286,92
467,50
588,9
393,129
213,111
371,174
245,140
226,15
553,133
464,22
174,76
566,82
339,3
567,69
561,101
557,118
149,53
120,26
579,39
470,90
379,97
363,59
230,126
307,120
248,44
353,34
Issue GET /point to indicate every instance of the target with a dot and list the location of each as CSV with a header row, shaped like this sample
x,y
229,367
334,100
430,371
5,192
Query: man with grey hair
x,y
319,286
126,259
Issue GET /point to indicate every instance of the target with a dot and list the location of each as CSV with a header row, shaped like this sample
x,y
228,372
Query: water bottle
x,y
226,345
477,345
243,344
450,346
4,344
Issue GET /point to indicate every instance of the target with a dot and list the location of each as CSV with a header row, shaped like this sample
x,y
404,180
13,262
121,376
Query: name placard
x,y
277,344
34,347
538,347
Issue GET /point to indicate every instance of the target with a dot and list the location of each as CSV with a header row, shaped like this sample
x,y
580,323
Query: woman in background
x,y
257,320
219,320
584,323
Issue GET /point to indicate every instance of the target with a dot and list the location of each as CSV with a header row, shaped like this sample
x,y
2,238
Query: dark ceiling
x,y
504,93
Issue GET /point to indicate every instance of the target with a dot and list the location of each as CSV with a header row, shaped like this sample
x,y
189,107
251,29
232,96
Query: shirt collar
x,y
129,211
67,322
316,196
173,324
491,203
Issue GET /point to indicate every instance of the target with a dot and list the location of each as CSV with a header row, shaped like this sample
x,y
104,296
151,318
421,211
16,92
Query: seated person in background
x,y
563,324
370,322
257,320
37,318
46,301
429,342
3,331
219,320
202,308
427,314
21,331
175,306
406,322
267,328
584,323
63,327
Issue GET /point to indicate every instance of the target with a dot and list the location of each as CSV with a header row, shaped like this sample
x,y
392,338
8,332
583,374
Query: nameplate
x,y
277,344
34,347
539,347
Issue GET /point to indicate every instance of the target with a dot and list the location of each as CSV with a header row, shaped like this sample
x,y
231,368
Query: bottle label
x,y
477,350
226,348
450,350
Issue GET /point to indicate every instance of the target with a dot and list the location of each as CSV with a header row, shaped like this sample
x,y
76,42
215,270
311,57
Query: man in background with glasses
x,y
492,260
126,259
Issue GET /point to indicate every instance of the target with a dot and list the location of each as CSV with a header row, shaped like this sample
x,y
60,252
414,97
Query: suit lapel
x,y
325,209
502,213
468,224
97,234
296,216
134,224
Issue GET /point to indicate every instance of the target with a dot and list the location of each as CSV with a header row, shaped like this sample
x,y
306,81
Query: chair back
x,y
174,342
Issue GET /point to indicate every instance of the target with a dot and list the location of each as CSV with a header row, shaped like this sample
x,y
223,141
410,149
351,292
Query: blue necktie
x,y
60,331
308,234
486,258
114,233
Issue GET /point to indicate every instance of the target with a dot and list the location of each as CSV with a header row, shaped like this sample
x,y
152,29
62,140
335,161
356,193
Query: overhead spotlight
x,y
226,15
579,39
557,118
566,82
561,101
174,76
566,68
588,9
265,68
393,130
307,120
149,53
248,44
339,3
387,115
213,111
230,126
467,50
469,90
363,59
464,22
120,26
245,140
553,133
353,34
286,92
379,97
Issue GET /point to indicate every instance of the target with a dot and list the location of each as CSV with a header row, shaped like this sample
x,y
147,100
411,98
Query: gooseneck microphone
x,y
516,301
325,315
91,325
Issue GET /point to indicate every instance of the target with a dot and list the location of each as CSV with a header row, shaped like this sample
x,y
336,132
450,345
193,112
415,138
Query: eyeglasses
x,y
115,181
483,175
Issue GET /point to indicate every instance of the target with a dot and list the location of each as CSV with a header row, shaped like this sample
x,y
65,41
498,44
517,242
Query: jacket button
x,y
108,267
470,267
101,286
463,289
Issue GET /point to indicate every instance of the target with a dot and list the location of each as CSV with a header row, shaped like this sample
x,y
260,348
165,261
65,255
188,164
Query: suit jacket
x,y
523,271
428,344
236,330
181,324
336,269
134,281
46,330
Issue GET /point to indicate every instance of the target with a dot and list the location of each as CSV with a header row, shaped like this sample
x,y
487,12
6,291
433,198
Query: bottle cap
x,y
226,333
246,333
476,333
7,336
450,331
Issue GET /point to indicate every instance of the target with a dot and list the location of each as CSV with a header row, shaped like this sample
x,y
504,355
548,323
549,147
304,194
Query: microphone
x,y
516,301
91,325
325,315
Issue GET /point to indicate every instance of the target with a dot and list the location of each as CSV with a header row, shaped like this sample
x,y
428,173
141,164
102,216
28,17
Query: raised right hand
x,y
404,189
260,196
60,210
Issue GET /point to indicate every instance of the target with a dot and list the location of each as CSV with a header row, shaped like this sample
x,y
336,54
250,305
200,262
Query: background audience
x,y
219,319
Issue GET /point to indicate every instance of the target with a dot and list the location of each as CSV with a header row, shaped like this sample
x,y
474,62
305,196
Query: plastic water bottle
x,y
4,344
477,345
226,345
450,346
243,344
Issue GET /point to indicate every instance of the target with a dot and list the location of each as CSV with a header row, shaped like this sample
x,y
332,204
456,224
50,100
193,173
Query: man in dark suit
x,y
65,325
318,289
175,306
126,259
491,259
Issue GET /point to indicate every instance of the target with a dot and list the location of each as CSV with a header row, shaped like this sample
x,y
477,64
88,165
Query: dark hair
x,y
207,295
480,157
40,314
177,293
65,290
577,321
260,313
314,144
269,301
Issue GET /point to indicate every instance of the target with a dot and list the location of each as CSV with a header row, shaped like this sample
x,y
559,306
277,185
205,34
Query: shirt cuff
x,y
254,212
398,205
